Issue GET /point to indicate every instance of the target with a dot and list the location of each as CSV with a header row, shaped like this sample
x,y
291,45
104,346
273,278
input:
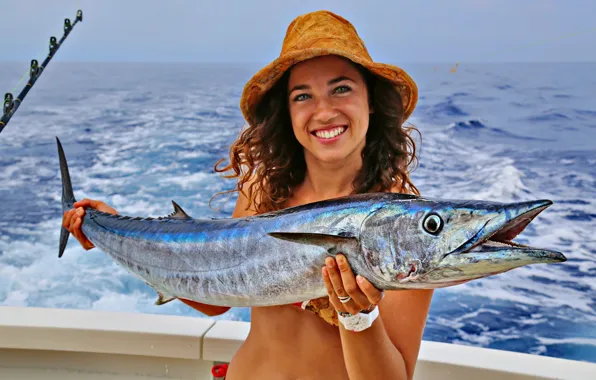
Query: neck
x,y
324,180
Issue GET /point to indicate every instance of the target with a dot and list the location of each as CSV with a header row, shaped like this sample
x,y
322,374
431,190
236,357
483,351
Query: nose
x,y
324,111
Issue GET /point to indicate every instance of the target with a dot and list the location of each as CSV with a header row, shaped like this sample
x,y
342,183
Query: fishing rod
x,y
11,105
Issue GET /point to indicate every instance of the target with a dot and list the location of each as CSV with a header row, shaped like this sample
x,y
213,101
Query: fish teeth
x,y
329,134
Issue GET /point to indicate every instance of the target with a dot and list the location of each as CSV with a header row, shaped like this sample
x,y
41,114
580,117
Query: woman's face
x,y
329,108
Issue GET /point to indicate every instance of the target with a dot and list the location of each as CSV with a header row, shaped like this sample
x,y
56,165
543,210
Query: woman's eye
x,y
300,97
342,89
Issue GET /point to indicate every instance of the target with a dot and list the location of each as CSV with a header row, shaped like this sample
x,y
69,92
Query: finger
x,y
76,213
66,219
87,203
373,294
338,286
75,225
85,243
335,277
331,292
327,281
349,284
97,205
72,215
75,230
327,273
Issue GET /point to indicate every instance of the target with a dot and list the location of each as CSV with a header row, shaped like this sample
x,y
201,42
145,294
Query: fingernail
x,y
360,279
329,262
340,260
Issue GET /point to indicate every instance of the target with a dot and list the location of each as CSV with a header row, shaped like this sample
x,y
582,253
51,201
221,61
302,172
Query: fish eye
x,y
433,224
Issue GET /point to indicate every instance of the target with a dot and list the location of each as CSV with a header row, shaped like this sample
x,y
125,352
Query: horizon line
x,y
55,60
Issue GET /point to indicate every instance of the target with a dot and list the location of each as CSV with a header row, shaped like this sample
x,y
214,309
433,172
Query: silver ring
x,y
344,299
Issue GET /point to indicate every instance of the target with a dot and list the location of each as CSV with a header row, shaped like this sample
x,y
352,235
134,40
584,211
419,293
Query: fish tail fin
x,y
68,198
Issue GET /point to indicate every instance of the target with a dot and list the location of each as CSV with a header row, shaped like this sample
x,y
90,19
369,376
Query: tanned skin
x,y
286,342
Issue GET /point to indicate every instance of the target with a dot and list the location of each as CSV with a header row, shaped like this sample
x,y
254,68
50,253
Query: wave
x,y
137,152
442,110
549,115
589,113
472,129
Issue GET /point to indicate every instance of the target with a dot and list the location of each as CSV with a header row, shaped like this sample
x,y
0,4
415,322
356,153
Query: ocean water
x,y
140,135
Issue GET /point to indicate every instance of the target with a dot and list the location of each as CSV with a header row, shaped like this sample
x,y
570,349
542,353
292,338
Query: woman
x,y
325,121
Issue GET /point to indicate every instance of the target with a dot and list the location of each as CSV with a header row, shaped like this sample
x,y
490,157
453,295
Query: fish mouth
x,y
492,249
503,228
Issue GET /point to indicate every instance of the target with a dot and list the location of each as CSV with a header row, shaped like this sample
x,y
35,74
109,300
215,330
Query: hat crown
x,y
317,34
324,30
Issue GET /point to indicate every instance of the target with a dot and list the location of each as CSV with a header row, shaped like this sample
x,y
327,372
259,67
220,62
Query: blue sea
x,y
138,136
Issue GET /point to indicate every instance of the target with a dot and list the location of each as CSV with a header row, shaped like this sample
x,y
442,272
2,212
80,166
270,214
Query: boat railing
x,y
46,343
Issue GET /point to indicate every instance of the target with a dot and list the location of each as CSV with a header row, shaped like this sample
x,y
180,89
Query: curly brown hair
x,y
269,156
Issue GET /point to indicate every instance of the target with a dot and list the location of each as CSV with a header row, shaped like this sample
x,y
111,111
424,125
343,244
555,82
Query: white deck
x,y
49,344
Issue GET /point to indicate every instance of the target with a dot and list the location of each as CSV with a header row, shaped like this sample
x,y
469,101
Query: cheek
x,y
299,117
360,123
358,111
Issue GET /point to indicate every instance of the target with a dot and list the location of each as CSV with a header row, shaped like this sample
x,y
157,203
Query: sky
x,y
394,31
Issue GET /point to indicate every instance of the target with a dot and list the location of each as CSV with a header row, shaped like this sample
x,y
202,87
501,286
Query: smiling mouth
x,y
331,133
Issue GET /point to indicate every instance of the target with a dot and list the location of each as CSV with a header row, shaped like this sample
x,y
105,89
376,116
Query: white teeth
x,y
330,133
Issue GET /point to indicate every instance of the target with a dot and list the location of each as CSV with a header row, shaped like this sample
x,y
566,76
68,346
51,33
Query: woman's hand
x,y
341,282
72,219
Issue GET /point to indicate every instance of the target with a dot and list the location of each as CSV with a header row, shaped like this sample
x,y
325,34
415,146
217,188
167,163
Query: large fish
x,y
396,241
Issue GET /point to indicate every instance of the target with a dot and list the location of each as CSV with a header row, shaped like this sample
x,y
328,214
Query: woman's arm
x,y
389,348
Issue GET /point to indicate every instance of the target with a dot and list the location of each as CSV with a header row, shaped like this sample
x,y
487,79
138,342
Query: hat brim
x,y
264,79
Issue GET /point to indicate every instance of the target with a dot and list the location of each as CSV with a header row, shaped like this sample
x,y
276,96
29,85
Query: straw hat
x,y
321,33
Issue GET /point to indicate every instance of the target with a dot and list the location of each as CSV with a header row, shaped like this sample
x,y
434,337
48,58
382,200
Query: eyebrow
x,y
332,81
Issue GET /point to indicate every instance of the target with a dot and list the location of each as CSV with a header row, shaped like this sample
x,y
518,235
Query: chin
x,y
330,157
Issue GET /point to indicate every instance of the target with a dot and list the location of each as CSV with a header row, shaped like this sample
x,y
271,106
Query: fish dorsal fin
x,y
178,212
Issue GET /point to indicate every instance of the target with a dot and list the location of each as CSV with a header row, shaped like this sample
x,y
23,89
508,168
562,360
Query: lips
x,y
330,132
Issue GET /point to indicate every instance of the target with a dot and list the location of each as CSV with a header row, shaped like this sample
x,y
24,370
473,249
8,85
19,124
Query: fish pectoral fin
x,y
163,299
178,212
330,242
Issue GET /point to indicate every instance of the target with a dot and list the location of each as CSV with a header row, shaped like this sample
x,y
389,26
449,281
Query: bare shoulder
x,y
404,314
397,189
241,209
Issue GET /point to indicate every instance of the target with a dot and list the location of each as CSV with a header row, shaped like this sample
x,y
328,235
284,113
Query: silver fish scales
x,y
396,241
